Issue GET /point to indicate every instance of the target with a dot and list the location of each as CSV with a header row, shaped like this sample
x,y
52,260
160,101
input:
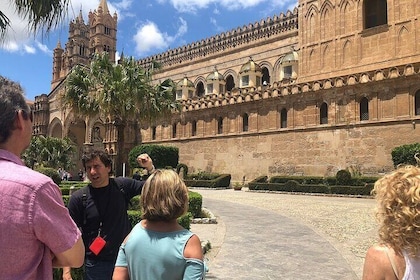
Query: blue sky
x,y
144,28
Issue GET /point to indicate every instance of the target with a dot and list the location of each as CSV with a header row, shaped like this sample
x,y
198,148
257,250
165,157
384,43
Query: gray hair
x,y
11,101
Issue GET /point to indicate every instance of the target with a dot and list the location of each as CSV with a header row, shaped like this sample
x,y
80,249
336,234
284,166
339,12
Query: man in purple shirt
x,y
36,230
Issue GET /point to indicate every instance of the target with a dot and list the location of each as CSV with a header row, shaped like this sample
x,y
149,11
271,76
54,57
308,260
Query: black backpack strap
x,y
119,185
85,191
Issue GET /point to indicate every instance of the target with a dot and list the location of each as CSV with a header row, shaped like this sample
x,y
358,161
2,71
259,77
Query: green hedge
x,y
162,156
221,181
195,204
327,185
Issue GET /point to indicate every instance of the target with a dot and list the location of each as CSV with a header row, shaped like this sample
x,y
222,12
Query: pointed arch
x,y
327,20
327,58
404,45
200,88
231,78
347,51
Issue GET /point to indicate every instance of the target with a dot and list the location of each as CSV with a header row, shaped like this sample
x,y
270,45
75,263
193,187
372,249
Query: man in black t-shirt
x,y
100,210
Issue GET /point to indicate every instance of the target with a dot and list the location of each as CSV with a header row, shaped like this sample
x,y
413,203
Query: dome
x,y
215,76
185,83
250,66
290,58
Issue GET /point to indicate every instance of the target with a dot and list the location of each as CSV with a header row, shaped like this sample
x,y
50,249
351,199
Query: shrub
x,y
292,185
185,220
343,177
405,154
50,172
208,180
184,169
195,203
162,156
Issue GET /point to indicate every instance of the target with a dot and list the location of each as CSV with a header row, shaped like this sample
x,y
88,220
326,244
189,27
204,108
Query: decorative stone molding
x,y
226,40
281,89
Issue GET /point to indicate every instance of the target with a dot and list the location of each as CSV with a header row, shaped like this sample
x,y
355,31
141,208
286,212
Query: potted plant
x,y
237,186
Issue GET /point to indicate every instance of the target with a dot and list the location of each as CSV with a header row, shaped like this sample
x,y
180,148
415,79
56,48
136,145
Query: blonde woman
x,y
158,247
398,213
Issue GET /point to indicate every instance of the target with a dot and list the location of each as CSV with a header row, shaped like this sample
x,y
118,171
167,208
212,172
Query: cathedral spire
x,y
80,17
103,6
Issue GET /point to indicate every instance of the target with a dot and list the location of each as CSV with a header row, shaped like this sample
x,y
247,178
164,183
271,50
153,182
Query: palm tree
x,y
49,152
40,14
121,92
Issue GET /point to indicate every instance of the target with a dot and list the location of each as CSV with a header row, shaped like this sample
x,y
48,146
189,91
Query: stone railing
x,y
290,87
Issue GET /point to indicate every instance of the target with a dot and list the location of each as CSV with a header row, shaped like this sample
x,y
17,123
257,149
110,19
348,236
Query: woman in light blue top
x,y
158,247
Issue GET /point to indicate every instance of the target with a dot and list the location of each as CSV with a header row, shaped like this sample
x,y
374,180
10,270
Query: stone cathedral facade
x,y
332,84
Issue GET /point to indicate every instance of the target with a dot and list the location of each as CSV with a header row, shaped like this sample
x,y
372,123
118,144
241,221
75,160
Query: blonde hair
x,y
398,210
164,196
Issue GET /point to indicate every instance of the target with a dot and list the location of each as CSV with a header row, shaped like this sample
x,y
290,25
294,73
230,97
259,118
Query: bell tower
x,y
103,31
78,44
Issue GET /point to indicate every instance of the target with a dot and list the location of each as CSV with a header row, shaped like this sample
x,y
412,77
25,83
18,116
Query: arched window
x,y
417,102
364,109
220,125
283,118
230,83
265,76
245,120
194,128
375,13
200,89
174,130
153,132
323,114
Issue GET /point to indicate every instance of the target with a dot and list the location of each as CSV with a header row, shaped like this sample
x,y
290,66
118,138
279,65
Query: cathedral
x,y
333,84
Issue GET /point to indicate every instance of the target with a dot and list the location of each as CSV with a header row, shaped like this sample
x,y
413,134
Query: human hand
x,y
145,161
67,273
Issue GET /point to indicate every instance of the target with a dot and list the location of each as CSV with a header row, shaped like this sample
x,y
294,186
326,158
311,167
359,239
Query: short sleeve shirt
x,y
34,223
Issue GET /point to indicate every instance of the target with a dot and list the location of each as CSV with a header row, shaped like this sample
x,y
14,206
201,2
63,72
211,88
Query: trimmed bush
x,y
352,190
184,169
343,177
162,156
50,172
405,154
212,181
185,220
195,203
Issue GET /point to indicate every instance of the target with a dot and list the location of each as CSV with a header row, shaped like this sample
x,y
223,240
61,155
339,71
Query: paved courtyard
x,y
285,236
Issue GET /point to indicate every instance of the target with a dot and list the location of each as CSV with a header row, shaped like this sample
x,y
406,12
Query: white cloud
x,y
124,4
17,37
217,27
44,48
29,49
191,6
149,38
183,28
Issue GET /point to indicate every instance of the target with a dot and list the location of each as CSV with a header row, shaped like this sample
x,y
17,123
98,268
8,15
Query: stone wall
x,y
318,151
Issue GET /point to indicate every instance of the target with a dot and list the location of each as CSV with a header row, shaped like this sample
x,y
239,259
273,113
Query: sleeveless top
x,y
412,268
152,255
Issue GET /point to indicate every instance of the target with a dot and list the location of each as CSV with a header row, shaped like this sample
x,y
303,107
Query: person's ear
x,y
19,120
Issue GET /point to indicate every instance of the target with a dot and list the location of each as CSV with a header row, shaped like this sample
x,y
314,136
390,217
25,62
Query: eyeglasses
x,y
26,115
